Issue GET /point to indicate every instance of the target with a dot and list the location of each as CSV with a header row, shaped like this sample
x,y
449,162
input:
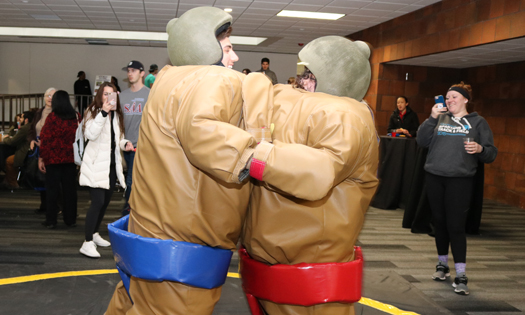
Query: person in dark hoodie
x,y
403,119
457,141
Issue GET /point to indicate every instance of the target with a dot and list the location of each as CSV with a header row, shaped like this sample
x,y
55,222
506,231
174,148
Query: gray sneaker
x,y
442,272
460,284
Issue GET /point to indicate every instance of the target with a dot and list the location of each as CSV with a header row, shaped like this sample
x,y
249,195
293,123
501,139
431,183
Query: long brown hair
x,y
304,77
97,103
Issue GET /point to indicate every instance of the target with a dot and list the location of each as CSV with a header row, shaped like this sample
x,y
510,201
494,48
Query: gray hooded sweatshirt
x,y
444,138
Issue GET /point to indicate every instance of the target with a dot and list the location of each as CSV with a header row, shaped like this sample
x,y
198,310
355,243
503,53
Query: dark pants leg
x,y
129,157
79,105
459,192
436,194
11,171
53,175
100,199
69,193
83,103
43,201
449,199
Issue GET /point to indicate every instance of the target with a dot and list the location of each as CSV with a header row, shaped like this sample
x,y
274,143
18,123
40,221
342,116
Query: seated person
x,y
403,119
21,142
15,125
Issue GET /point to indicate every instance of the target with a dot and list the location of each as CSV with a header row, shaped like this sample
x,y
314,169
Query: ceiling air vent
x,y
92,41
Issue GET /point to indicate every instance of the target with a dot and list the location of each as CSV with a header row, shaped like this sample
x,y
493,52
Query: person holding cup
x,y
102,162
457,141
404,120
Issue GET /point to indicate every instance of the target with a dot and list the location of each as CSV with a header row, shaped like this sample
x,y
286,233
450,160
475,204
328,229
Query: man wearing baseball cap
x,y
82,87
153,70
132,101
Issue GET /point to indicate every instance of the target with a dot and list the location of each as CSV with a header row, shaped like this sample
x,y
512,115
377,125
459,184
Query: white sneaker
x,y
100,241
89,249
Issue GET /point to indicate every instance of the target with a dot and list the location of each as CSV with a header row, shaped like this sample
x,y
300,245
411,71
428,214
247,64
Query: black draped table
x,y
402,185
397,158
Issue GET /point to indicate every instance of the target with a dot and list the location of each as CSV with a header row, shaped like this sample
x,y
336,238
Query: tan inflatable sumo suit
x,y
313,210
189,155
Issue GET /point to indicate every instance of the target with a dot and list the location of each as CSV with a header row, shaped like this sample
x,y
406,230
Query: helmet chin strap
x,y
218,63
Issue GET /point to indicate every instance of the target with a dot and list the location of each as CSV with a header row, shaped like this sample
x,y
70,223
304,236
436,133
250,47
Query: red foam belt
x,y
301,284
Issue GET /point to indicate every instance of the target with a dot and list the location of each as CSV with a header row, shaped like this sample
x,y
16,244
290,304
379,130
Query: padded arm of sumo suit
x,y
207,131
338,144
257,93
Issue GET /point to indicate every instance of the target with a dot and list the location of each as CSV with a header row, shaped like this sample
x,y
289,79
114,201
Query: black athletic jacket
x,y
410,122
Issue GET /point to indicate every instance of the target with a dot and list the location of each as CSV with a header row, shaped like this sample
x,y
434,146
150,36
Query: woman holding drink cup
x,y
101,163
457,141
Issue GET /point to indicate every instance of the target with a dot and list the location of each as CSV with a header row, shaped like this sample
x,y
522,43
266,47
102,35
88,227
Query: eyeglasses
x,y
48,96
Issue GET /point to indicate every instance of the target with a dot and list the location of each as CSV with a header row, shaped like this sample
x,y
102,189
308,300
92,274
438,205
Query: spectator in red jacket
x,y
57,161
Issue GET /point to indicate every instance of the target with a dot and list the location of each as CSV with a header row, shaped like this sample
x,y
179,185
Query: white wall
x,y
33,67
284,65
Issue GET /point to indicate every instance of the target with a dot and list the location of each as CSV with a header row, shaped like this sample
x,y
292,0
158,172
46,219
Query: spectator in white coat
x,y
102,163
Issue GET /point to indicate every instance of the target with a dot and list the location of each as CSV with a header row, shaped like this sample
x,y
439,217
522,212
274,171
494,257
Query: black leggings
x,y
61,178
449,199
100,199
43,201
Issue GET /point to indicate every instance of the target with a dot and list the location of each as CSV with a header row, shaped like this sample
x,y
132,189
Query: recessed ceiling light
x,y
25,1
228,9
247,40
107,34
46,17
311,15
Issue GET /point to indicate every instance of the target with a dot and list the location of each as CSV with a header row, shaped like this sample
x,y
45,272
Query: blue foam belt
x,y
166,260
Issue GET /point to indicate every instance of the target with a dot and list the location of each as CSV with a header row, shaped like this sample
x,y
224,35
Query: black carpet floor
x,y
397,269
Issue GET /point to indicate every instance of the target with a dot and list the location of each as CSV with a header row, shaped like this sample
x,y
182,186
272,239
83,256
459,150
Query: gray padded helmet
x,y
191,38
340,65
